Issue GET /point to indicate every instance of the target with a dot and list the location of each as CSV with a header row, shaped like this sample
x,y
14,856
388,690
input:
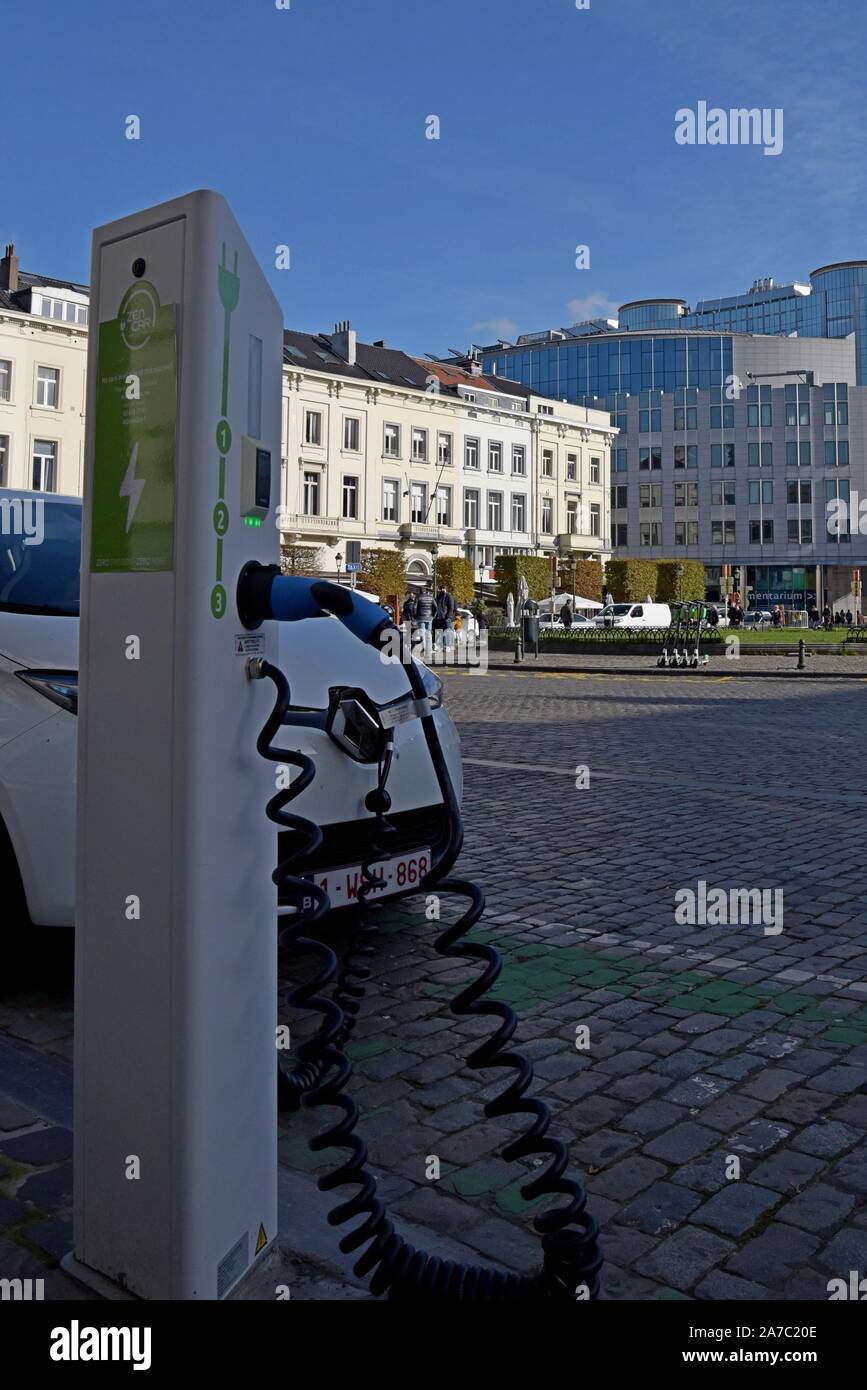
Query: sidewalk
x,y
780,664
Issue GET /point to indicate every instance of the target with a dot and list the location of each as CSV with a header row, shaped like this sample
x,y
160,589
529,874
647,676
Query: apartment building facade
x,y
384,450
43,367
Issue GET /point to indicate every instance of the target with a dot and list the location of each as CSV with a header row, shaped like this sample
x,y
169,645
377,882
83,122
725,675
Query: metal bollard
x,y
802,665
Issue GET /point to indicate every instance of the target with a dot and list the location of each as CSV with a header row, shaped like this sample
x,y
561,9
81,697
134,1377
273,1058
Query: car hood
x,y
314,654
36,640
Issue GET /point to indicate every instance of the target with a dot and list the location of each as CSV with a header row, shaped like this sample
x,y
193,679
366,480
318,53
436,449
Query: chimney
x,y
343,341
9,270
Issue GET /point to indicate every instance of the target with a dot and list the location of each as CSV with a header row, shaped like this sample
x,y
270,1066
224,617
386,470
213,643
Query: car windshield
x,y
618,609
40,555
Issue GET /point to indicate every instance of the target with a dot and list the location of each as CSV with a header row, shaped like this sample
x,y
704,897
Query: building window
x,y
44,465
837,453
595,466
680,533
762,493
47,388
352,433
5,379
418,502
311,494
547,516
836,412
620,533
572,526
722,455
519,512
796,491
798,453
692,533
839,532
545,409
650,459
722,417
547,463
519,461
686,494
390,494
471,507
595,519
444,506
619,496
760,457
495,456
761,532
444,450
4,460
650,495
686,456
797,405
313,428
495,511
722,494
650,533
391,447
621,460
572,468
419,445
471,453
350,499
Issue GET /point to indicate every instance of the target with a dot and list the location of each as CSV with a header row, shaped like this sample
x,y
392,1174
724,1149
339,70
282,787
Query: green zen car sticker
x,y
135,441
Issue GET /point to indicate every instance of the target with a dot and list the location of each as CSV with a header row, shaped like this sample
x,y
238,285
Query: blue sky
x,y
557,129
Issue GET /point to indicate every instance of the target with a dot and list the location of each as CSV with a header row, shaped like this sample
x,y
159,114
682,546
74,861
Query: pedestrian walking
x,y
848,617
425,612
566,615
444,617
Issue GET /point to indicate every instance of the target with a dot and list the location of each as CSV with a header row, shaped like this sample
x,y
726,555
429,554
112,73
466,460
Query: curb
x,y
666,671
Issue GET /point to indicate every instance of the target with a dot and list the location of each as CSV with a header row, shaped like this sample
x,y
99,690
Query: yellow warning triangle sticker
x,y
261,1239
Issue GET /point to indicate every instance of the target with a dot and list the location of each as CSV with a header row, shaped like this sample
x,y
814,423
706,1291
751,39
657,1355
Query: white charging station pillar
x,y
175,1061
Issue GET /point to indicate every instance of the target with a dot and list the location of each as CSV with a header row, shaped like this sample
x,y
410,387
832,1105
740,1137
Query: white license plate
x,y
402,874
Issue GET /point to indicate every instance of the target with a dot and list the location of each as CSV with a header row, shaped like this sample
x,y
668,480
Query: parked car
x,y
39,608
634,615
469,625
555,620
757,618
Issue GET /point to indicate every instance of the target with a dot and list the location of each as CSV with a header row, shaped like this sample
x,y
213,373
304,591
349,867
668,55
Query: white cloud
x,y
496,328
593,306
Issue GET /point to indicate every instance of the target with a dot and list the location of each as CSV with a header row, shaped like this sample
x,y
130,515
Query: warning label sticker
x,y
249,643
261,1239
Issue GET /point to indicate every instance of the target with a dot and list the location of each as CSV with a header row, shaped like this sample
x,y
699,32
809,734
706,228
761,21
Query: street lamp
x,y
338,560
481,578
434,550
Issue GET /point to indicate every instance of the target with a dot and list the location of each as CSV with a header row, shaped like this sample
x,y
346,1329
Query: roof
x,y
453,376
28,280
381,365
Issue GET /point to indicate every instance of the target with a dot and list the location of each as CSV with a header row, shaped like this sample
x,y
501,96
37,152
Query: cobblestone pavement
x,y
782,663
706,1043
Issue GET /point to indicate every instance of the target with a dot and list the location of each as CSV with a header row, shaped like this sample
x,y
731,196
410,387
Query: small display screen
x,y
263,478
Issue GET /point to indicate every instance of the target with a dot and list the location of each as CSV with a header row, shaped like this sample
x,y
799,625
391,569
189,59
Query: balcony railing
x,y
298,521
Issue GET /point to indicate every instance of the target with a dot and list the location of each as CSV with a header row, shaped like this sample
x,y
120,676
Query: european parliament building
x,y
743,421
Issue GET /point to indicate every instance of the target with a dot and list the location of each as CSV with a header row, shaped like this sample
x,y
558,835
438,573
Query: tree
x,y
535,569
456,573
300,559
383,572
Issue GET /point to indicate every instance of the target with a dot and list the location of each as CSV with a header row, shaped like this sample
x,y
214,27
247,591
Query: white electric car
x,y
39,604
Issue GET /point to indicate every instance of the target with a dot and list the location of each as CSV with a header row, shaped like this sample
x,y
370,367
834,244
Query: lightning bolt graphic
x,y
131,487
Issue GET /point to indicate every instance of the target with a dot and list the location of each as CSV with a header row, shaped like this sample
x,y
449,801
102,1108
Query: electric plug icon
x,y
229,283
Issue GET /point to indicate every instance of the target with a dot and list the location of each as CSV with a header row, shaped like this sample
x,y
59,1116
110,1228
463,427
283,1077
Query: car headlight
x,y
61,687
433,686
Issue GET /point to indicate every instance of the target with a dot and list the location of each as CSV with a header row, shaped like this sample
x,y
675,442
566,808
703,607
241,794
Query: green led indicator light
x,y
252,521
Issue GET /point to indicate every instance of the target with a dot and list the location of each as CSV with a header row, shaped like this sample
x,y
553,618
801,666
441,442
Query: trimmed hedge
x,y
456,573
668,586
630,581
589,576
383,572
535,569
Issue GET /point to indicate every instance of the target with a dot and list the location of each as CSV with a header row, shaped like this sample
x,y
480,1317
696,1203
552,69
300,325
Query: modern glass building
x,y
742,420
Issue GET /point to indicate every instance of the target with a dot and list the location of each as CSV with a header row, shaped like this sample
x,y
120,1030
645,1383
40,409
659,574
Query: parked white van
x,y
634,615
